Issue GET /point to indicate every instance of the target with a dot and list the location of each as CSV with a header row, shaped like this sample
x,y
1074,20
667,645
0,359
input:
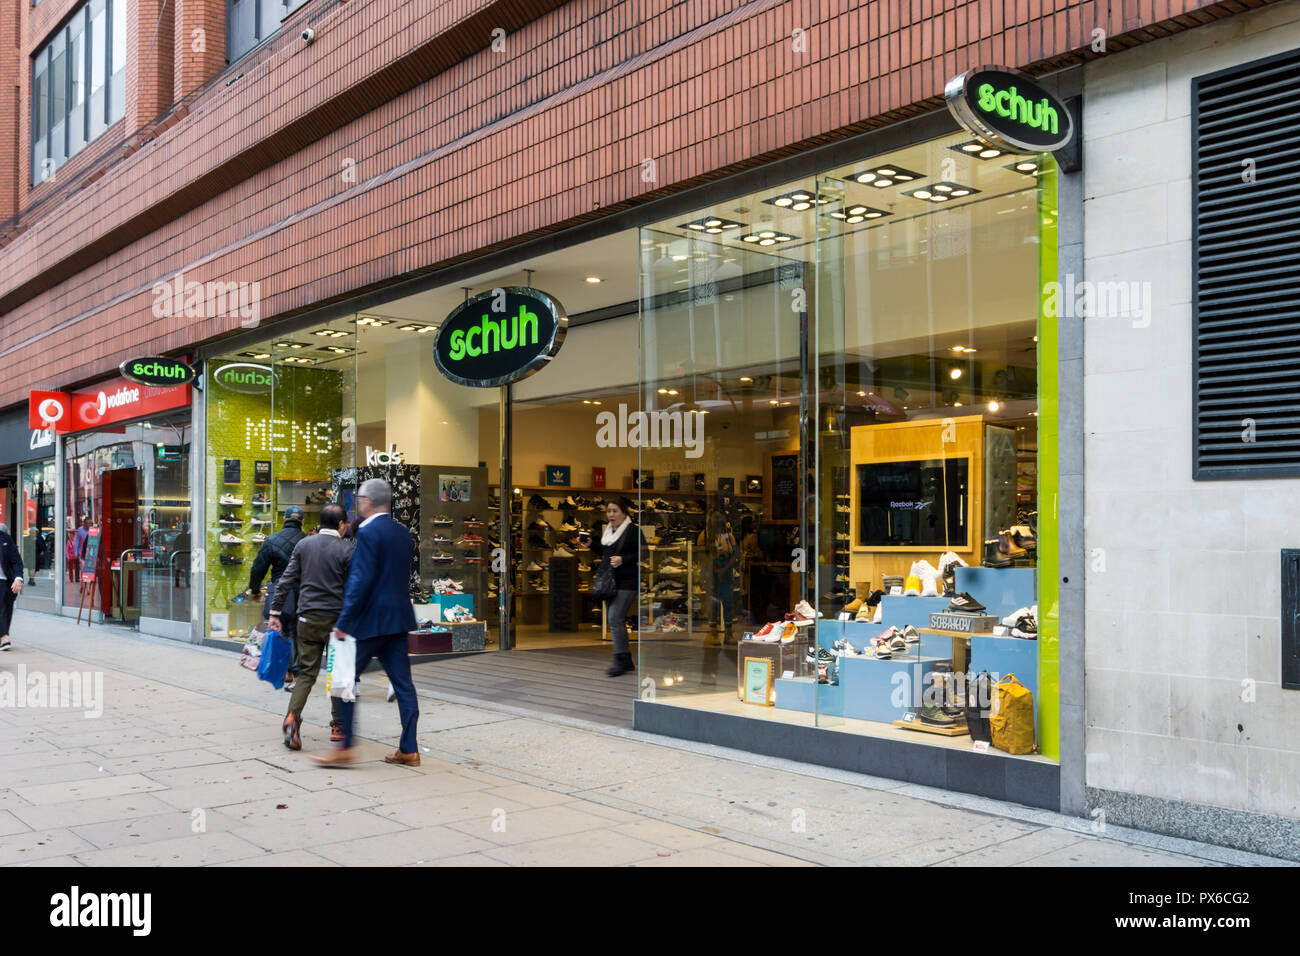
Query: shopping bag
x,y
250,656
1012,720
274,660
340,669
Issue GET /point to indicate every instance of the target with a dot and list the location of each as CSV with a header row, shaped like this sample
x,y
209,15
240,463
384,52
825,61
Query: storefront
x,y
828,401
124,529
27,505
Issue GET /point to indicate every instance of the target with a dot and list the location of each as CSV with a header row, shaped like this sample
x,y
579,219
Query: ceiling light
x,y
773,401
865,178
990,153
969,147
745,378
767,242
956,404
862,394
712,224
922,194
782,201
882,176
994,406
940,192
593,280
975,147
672,391
663,391
331,333
954,373
372,321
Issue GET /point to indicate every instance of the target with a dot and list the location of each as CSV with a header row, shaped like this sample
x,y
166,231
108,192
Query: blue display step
x,y
883,690
1001,590
804,693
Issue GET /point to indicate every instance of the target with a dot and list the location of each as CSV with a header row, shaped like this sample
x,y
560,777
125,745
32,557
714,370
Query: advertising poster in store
x,y
453,488
90,563
558,476
261,472
758,675
598,477
230,471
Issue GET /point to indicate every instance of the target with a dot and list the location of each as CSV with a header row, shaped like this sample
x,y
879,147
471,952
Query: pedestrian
x,y
620,543
317,573
720,554
82,536
273,556
11,580
377,614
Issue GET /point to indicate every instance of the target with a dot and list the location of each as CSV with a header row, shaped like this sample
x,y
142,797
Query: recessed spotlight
x,y
712,224
882,176
994,406
954,374
593,280
746,378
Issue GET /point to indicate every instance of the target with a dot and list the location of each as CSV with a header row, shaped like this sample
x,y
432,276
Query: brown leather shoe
x,y
339,755
407,760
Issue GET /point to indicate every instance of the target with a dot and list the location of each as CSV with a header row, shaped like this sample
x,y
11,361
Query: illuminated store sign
x,y
499,337
1008,109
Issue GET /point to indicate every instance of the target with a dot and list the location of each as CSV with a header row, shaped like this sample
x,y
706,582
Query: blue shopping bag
x,y
274,661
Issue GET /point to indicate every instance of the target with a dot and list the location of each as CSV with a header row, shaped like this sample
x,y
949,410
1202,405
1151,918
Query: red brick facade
x,y
242,179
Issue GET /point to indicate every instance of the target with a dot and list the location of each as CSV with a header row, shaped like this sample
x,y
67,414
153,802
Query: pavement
x,y
178,761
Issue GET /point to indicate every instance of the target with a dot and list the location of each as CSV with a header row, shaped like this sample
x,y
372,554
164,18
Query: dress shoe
x,y
290,728
339,755
407,760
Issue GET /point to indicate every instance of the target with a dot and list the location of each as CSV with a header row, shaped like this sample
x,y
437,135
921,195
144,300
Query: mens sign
x,y
1007,108
157,371
499,337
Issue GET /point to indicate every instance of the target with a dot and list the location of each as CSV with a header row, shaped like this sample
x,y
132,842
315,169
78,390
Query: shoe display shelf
x,y
657,557
297,491
868,689
1002,591
434,609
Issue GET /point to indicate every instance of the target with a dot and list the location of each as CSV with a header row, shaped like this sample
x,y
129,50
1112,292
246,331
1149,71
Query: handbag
x,y
274,660
603,587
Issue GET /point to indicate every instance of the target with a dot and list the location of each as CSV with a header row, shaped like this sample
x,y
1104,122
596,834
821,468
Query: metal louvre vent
x,y
1246,271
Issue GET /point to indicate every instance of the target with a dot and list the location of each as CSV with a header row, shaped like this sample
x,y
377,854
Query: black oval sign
x,y
499,337
158,371
249,378
1007,108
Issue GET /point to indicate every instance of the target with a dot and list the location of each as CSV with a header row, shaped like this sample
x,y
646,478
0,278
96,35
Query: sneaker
x,y
534,566
866,613
1011,619
910,635
790,629
1026,627
257,537
912,586
441,539
261,501
443,557
470,540
570,525
806,609
763,632
561,552
470,521
228,538
259,522
935,717
819,655
537,503
965,604
881,649
229,499
229,560
845,649
230,518
441,521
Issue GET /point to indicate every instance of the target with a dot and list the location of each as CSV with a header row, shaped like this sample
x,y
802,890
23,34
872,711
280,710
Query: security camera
x,y
308,35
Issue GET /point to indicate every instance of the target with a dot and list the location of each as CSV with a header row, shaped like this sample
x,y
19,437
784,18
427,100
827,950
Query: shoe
x,y
405,760
260,522
765,631
228,538
471,521
807,611
935,717
441,521
912,586
853,606
539,543
337,756
336,734
257,537
261,501
561,552
910,635
789,632
534,566
1025,627
845,649
541,524
874,598
965,604
470,540
441,539
819,655
442,557
290,729
866,613
230,518
229,499
537,503
1011,619
570,525
230,560
622,665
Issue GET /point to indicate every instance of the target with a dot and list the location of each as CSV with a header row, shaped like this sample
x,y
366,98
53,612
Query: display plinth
x,y
883,690
803,693
956,730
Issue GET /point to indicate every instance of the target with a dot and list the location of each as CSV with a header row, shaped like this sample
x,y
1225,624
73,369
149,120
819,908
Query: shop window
x,y
1245,260
862,348
36,524
70,75
250,22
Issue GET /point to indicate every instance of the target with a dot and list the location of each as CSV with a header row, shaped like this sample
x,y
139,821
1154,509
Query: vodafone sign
x,y
114,401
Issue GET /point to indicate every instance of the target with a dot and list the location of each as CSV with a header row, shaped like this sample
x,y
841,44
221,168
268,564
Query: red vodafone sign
x,y
114,401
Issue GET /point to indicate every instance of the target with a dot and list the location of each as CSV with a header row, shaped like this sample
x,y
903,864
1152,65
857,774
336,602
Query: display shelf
x,y
958,729
806,695
1001,590
883,690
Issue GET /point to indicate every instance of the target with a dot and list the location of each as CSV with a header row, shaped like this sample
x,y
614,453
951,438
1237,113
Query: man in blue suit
x,y
377,614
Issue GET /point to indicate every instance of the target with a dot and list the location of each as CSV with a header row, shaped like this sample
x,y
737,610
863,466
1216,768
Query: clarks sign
x,y
499,337
1007,108
157,371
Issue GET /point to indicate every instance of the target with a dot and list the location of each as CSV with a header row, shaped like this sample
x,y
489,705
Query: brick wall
x,y
441,129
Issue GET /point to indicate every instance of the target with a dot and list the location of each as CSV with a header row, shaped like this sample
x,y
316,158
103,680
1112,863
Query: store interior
x,y
916,373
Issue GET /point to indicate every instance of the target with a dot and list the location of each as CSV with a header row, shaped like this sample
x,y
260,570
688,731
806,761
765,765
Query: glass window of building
x,y
69,76
36,524
862,351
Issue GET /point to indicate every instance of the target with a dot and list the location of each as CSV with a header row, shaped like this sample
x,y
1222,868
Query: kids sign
x,y
1008,109
499,337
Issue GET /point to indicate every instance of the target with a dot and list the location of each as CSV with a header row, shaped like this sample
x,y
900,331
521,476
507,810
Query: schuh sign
x,y
1008,109
499,337
157,370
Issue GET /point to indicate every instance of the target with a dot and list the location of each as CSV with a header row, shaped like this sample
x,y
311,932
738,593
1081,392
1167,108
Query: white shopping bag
x,y
341,668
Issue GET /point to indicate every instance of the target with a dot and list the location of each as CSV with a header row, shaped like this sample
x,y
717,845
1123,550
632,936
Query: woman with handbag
x,y
618,546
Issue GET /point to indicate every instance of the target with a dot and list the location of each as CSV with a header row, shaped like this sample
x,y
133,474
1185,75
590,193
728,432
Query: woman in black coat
x,y
11,564
619,544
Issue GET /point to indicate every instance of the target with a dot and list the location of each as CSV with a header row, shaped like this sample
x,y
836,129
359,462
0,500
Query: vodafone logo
x,y
51,411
